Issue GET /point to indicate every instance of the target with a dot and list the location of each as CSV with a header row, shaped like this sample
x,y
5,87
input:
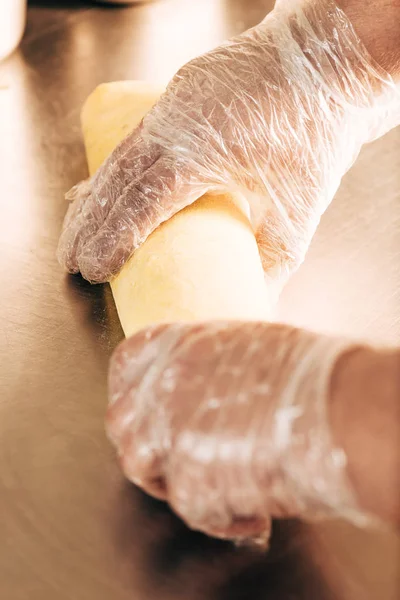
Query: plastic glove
x,y
277,114
231,424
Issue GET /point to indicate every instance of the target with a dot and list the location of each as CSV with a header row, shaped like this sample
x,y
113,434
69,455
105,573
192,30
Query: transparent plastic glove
x,y
229,422
277,114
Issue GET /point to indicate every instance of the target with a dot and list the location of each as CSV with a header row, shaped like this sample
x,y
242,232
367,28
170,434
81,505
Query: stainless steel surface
x,y
70,526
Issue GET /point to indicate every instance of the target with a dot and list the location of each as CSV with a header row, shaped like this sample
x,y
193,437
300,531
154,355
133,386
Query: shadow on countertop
x,y
179,563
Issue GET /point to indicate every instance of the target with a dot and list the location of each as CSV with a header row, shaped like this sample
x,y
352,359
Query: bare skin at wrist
x,y
365,416
377,23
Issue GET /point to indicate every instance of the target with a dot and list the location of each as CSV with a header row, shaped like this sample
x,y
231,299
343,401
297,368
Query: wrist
x,y
354,55
365,418
377,23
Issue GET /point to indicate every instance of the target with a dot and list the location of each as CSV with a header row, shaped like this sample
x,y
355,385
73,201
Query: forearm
x,y
365,394
365,412
366,385
377,23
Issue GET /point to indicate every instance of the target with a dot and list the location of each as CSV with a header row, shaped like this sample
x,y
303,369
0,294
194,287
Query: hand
x,y
231,423
277,114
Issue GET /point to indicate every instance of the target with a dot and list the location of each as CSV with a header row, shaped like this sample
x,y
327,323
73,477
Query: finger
x,y
147,201
72,226
210,484
128,366
142,464
93,200
137,419
128,421
253,529
152,391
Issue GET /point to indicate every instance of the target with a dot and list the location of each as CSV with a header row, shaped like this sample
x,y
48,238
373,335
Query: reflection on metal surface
x,y
349,283
70,526
168,38
357,564
17,147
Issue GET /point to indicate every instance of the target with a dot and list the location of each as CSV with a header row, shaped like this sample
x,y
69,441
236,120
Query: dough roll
x,y
203,263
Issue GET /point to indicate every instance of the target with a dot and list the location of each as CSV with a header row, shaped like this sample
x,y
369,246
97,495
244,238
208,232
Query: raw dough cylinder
x,y
203,264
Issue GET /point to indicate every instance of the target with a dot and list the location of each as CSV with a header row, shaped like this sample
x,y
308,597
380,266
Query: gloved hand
x,y
231,423
277,114
235,423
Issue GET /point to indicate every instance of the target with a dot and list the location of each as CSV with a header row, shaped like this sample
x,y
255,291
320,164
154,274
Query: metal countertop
x,y
71,527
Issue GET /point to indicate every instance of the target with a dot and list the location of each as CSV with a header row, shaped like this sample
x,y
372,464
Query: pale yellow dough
x,y
202,264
